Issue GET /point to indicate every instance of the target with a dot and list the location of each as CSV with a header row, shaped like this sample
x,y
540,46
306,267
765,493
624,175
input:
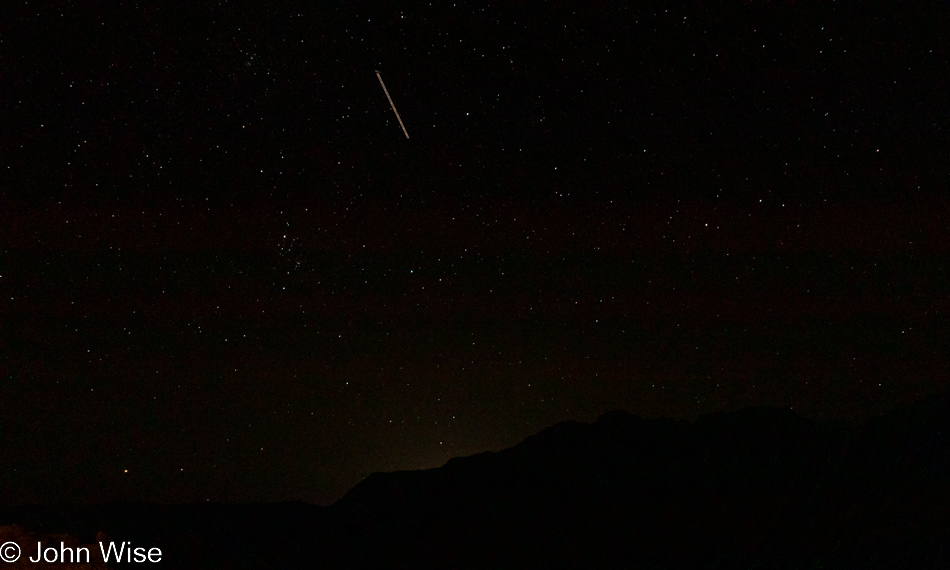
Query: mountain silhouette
x,y
755,488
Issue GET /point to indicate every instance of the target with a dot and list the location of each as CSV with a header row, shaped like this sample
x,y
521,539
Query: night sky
x,y
226,274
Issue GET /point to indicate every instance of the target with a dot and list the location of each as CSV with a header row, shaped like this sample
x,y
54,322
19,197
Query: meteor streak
x,y
391,104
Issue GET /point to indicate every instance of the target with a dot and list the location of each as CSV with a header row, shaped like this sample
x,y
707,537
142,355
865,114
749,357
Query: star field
x,y
226,275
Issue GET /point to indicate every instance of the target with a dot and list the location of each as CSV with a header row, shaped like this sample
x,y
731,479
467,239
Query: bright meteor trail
x,y
391,104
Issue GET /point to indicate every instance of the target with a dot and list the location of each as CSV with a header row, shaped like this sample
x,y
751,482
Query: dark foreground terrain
x,y
757,488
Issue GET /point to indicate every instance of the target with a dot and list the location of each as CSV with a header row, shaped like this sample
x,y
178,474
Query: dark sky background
x,y
226,274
